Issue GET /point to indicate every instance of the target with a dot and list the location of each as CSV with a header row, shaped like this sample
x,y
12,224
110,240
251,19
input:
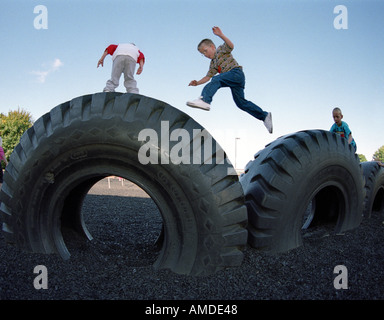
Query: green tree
x,y
379,154
12,127
362,157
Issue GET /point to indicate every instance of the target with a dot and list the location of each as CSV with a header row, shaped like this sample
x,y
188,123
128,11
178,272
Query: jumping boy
x,y
341,127
124,56
230,75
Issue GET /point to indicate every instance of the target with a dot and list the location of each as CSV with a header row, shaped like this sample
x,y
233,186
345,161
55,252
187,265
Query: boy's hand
x,y
139,70
195,83
101,60
217,31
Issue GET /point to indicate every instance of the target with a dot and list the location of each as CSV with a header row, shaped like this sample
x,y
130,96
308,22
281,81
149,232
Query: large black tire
x,y
91,137
313,167
374,187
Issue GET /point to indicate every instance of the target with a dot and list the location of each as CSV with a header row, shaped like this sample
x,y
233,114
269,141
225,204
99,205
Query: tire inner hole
x,y
322,213
123,221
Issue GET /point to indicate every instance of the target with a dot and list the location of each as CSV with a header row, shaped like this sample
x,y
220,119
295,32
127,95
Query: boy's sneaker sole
x,y
198,105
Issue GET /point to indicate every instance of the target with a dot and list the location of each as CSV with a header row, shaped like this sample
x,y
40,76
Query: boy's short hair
x,y
337,109
205,42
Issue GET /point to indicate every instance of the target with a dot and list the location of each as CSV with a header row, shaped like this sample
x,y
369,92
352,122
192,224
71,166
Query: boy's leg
x,y
237,88
117,69
247,106
129,70
251,108
233,78
211,88
222,80
209,91
226,79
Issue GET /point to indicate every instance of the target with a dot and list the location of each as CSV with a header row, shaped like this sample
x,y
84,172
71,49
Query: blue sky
x,y
297,64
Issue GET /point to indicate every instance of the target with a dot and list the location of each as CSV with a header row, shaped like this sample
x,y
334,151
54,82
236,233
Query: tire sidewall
x,y
280,183
73,145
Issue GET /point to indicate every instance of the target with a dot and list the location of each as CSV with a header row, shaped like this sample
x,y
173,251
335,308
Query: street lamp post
x,y
236,152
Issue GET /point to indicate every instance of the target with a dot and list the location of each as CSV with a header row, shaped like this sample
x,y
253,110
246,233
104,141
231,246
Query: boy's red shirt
x,y
112,48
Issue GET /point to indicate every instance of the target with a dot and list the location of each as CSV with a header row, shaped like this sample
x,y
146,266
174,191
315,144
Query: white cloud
x,y
57,64
50,67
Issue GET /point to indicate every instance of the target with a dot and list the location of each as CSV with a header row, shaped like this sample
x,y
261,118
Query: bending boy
x,y
124,56
230,75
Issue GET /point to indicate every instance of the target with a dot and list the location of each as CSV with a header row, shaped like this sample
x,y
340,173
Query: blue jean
x,y
235,80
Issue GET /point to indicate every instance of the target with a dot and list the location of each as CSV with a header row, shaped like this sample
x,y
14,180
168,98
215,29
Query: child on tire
x,y
124,56
341,127
230,75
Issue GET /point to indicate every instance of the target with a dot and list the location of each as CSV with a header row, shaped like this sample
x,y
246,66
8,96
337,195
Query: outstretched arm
x,y
217,31
195,83
101,61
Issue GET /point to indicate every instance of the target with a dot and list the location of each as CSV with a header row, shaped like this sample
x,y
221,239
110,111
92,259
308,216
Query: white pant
x,y
123,64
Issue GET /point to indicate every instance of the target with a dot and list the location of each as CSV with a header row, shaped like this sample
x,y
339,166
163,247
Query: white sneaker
x,y
268,122
199,103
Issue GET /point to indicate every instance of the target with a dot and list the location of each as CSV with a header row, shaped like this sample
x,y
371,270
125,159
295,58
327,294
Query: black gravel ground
x,y
117,263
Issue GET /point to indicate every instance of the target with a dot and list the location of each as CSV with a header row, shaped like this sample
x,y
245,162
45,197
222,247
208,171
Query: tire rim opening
x,y
123,220
323,211
378,202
